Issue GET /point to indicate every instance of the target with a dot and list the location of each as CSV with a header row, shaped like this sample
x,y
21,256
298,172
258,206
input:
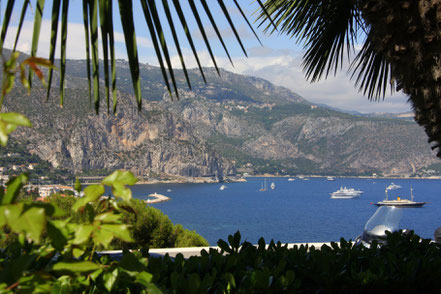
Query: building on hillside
x,y
31,166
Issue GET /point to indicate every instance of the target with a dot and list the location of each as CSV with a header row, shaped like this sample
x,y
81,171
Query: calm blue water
x,y
296,211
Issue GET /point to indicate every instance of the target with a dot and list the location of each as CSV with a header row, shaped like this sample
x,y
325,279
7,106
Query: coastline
x,y
209,180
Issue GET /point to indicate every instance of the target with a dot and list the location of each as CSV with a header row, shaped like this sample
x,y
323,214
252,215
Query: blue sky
x,y
278,60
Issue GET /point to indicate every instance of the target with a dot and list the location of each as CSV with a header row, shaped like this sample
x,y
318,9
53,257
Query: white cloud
x,y
281,67
75,40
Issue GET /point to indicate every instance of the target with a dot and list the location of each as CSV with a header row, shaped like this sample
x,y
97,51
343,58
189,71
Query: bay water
x,y
295,211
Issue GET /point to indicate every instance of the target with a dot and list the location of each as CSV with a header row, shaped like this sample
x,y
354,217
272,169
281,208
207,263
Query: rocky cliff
x,y
232,121
150,141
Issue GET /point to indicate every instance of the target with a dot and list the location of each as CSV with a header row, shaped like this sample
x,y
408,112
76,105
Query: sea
x,y
295,211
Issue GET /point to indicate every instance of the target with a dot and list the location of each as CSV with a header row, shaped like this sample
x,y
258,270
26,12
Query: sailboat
x,y
263,186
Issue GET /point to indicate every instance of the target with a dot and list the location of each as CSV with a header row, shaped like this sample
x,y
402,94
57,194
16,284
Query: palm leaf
x,y
126,12
176,40
112,52
160,35
7,18
202,31
372,71
227,15
56,4
63,49
327,29
36,33
93,19
246,19
213,23
20,24
151,27
189,38
105,46
87,41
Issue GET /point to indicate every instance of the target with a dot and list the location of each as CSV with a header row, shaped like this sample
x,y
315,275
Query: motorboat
x,y
346,193
290,179
393,186
330,178
223,187
273,186
400,202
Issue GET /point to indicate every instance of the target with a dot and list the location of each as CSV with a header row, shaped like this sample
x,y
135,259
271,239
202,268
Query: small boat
x,y
168,190
330,178
223,187
273,186
290,179
393,186
263,186
404,203
346,193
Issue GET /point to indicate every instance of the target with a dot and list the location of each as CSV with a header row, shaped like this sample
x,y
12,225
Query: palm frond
x,y
372,72
98,13
327,29
56,5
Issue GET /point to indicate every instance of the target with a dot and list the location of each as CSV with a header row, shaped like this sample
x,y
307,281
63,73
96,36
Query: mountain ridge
x,y
233,121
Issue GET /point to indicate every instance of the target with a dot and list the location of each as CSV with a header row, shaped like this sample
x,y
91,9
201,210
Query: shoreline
x,y
239,180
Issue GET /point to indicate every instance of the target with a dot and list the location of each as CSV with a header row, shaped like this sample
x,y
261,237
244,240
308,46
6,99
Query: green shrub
x,y
52,253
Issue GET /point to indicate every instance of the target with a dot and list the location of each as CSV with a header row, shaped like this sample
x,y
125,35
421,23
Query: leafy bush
x,y
406,264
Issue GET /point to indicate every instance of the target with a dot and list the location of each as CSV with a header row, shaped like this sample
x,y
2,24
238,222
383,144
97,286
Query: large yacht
x,y
400,202
346,193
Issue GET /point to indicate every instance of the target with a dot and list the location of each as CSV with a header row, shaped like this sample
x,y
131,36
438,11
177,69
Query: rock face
x,y
150,141
232,121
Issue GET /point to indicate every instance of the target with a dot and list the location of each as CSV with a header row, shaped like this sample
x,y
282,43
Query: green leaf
x,y
77,185
9,122
118,180
92,193
120,176
110,279
102,237
108,217
15,119
144,278
76,266
32,222
56,230
132,265
77,252
82,234
13,187
120,231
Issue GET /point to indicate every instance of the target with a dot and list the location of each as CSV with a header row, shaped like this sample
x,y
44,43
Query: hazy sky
x,y
278,60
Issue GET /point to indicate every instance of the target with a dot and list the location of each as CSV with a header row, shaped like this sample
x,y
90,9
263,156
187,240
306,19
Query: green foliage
x,y
52,253
405,264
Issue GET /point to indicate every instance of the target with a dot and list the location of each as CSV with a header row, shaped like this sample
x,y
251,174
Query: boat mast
x,y
411,193
385,191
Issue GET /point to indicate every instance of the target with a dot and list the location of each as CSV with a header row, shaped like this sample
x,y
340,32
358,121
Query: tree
x,y
401,47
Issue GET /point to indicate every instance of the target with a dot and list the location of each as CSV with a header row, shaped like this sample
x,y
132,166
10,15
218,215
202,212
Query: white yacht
x,y
400,202
290,179
393,186
346,193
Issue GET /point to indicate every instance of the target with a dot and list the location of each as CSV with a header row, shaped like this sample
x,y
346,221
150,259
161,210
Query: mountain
x,y
232,122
